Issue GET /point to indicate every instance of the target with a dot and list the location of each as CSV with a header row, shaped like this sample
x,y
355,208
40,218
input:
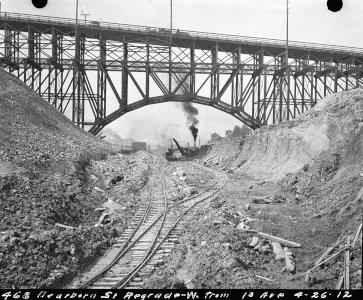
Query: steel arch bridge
x,y
247,77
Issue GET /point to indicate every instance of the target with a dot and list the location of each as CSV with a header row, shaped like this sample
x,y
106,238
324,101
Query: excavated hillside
x,y
300,180
320,150
55,182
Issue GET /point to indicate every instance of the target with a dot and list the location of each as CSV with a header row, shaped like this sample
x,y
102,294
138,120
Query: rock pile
x,y
178,182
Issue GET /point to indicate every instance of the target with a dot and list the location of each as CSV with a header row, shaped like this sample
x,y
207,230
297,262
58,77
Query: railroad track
x,y
156,229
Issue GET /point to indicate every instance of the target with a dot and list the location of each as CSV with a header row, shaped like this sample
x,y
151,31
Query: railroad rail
x,y
157,229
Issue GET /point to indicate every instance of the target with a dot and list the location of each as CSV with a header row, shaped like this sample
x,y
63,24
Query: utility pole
x,y
75,114
76,17
171,20
85,17
287,32
170,47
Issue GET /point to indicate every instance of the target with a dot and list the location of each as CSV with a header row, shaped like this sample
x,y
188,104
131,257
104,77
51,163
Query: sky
x,y
309,21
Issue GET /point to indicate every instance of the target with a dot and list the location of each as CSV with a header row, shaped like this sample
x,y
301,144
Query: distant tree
x,y
216,137
241,131
228,133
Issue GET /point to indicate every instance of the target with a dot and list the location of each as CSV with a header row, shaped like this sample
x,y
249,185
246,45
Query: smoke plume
x,y
191,112
194,131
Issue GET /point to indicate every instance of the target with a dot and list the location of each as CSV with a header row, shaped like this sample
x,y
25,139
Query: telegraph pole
x,y
171,20
76,17
170,47
287,32
75,111
85,17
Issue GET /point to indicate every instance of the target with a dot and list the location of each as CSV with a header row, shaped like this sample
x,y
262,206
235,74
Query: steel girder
x,y
255,84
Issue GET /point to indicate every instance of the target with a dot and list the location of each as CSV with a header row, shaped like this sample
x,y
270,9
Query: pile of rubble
x,y
178,184
128,172
239,224
223,248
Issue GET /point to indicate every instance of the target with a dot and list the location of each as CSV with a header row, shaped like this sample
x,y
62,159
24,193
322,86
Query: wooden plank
x,y
328,251
341,278
329,258
340,282
357,234
346,265
280,254
64,226
279,240
264,278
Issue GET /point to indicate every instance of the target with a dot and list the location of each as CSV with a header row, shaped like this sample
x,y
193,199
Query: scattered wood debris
x,y
254,241
346,265
279,240
98,189
64,226
101,208
264,278
329,258
280,254
290,264
341,278
327,252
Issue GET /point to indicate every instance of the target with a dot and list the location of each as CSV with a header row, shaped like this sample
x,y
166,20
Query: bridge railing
x,y
185,34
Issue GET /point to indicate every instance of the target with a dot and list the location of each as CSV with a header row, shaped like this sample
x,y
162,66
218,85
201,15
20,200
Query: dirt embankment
x,y
53,172
319,155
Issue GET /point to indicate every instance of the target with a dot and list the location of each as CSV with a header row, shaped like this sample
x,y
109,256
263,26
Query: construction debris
x,y
279,240
104,219
267,200
341,278
327,252
264,278
329,258
264,200
290,264
280,254
346,265
100,208
254,241
258,247
64,226
339,283
98,189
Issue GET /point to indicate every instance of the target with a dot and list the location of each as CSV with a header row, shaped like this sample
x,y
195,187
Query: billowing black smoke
x,y
191,113
194,131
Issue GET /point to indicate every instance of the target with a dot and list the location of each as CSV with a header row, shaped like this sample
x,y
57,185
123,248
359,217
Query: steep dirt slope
x,y
31,129
273,151
320,152
49,174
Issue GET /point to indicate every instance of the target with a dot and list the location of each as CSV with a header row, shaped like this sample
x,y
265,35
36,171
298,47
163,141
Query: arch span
x,y
225,107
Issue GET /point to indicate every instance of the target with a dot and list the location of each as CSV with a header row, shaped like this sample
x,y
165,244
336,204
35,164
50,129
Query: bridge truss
x,y
77,68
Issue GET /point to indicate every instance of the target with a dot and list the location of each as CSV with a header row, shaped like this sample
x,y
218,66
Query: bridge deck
x,y
130,33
